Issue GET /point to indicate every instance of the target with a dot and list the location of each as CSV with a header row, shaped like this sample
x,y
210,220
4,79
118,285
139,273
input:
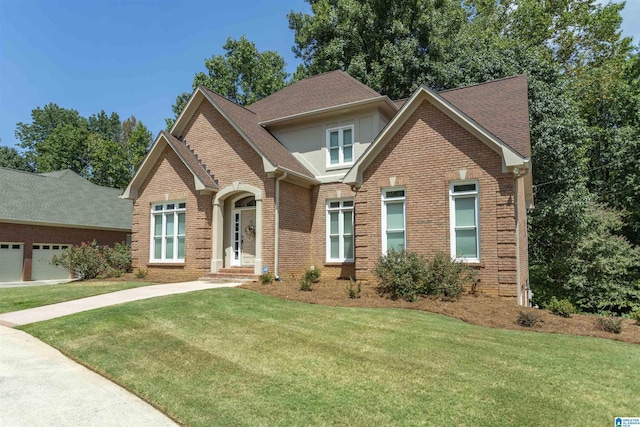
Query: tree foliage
x,y
12,159
243,75
101,147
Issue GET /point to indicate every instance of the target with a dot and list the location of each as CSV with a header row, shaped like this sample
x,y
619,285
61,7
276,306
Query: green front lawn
x,y
234,357
20,298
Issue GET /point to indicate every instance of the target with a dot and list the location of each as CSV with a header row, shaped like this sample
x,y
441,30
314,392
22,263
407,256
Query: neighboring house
x,y
329,173
42,214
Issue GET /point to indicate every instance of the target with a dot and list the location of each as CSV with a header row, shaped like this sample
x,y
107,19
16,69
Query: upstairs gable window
x,y
340,146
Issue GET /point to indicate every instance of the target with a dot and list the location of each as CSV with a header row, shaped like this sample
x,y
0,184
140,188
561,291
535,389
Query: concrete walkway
x,y
52,311
39,386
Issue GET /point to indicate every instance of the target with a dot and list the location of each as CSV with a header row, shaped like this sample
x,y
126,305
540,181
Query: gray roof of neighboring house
x,y
61,198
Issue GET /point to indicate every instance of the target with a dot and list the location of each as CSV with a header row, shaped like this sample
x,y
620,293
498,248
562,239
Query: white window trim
x,y
175,211
340,211
452,218
386,200
341,163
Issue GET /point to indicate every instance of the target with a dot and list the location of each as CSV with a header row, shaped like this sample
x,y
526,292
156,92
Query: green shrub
x,y
354,292
528,319
408,275
610,324
118,257
141,273
89,260
266,278
312,274
305,284
636,316
401,274
562,307
447,277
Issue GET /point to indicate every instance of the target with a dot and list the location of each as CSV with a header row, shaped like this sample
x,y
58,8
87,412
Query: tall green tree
x,y
100,148
243,75
55,139
392,46
12,159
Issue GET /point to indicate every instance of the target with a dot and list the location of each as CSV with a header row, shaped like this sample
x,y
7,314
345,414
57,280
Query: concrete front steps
x,y
232,274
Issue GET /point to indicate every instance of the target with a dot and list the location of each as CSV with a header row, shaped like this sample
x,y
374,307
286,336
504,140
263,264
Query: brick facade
x,y
427,153
34,234
170,180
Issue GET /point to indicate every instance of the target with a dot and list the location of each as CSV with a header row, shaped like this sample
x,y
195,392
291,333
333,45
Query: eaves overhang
x,y
510,157
383,101
162,141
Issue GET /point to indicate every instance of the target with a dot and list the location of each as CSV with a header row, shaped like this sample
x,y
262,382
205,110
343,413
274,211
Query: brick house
x,y
327,172
42,214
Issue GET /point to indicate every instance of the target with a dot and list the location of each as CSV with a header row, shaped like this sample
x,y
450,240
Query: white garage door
x,y
41,268
11,262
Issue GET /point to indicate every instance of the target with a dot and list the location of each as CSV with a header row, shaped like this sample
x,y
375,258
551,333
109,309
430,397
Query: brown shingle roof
x,y
500,106
191,160
267,144
314,93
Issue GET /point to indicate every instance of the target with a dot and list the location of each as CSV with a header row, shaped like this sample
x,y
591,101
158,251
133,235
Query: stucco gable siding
x,y
424,156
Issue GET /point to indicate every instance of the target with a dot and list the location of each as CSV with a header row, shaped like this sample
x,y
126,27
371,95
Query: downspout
x,y
517,214
276,248
522,299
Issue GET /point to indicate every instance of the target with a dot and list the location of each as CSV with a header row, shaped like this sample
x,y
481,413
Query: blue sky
x,y
133,56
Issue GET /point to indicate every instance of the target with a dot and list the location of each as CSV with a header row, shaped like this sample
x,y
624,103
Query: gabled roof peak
x,y
313,93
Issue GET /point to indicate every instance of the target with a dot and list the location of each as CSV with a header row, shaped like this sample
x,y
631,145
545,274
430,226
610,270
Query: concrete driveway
x,y
39,386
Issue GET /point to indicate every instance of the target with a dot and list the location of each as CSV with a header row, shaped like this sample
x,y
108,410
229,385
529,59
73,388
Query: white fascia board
x,y
510,157
354,175
268,166
334,108
131,192
199,185
187,112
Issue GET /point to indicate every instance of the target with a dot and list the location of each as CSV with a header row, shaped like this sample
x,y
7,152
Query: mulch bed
x,y
493,312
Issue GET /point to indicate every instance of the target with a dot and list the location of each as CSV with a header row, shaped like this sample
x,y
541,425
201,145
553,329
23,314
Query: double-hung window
x,y
168,231
340,230
465,231
340,146
393,220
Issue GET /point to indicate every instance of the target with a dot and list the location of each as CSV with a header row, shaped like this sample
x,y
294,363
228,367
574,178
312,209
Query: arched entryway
x,y
237,228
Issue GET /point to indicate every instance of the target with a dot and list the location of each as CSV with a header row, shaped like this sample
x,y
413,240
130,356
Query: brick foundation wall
x,y
425,155
30,234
